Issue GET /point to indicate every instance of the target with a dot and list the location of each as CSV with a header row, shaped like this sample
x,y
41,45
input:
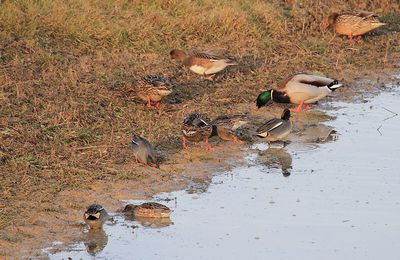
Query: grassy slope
x,y
66,114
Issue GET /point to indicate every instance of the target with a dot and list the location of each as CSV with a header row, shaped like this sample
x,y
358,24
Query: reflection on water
x,y
276,158
198,185
95,240
154,222
340,202
318,133
149,222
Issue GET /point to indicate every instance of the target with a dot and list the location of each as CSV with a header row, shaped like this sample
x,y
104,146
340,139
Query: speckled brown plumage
x,y
353,22
196,128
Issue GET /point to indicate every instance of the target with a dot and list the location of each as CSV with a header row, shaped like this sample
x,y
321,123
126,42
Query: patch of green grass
x,y
30,161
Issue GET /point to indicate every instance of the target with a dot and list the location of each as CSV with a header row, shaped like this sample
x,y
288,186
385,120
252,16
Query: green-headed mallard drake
x,y
95,216
144,151
153,88
196,128
352,23
276,128
148,210
203,63
299,89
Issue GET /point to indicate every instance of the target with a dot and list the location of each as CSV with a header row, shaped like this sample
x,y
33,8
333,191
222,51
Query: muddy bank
x,y
181,170
332,184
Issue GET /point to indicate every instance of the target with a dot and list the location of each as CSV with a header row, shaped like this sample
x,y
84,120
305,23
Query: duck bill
x,y
324,26
92,216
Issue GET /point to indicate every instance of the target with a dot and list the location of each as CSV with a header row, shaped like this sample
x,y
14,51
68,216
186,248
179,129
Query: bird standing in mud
x,y
153,88
352,23
143,150
276,129
202,63
196,128
299,89
95,216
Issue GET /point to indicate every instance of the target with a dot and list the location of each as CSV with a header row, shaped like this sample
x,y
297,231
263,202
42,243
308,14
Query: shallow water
x,y
330,196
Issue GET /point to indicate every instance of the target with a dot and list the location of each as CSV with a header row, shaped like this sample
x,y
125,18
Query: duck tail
x,y
334,85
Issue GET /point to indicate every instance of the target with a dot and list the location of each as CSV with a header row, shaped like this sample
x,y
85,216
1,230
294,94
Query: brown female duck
x,y
148,210
153,88
352,23
196,128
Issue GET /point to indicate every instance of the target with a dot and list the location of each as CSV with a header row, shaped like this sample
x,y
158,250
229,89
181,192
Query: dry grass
x,y
66,116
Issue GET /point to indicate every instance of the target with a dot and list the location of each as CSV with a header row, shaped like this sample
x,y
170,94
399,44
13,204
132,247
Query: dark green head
x,y
264,98
151,161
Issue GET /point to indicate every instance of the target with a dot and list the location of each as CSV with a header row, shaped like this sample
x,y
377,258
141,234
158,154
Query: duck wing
x,y
313,80
360,13
208,56
270,125
158,81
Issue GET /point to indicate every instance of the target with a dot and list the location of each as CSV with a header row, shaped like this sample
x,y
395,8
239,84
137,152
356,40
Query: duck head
x,y
152,161
93,212
177,55
285,114
264,99
329,21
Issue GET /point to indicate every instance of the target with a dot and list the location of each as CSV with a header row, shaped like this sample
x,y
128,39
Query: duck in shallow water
x,y
143,151
276,129
148,210
299,89
352,23
202,63
95,216
153,88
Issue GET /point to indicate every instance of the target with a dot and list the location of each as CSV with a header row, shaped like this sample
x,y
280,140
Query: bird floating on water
x,y
95,216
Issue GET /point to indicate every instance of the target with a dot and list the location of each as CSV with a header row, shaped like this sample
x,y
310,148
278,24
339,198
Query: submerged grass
x,y
66,115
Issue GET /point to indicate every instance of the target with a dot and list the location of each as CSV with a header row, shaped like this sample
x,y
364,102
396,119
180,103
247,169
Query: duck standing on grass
x,y
143,150
202,63
95,216
153,88
352,23
299,89
196,128
276,128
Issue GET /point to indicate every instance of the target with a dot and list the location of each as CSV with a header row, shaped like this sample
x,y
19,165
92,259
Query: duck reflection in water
x,y
318,133
95,241
277,159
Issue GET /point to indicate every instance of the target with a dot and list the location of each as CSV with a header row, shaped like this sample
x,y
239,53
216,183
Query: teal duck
x,y
276,129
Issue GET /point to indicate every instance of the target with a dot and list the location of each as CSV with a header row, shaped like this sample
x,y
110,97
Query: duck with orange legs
x,y
301,89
